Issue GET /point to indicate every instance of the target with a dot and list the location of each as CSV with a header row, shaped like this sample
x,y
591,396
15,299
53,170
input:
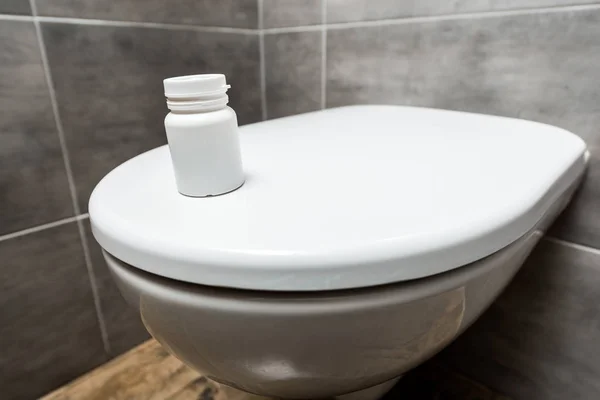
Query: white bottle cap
x,y
196,86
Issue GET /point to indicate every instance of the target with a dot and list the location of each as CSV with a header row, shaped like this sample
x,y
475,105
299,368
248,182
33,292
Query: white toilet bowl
x,y
364,241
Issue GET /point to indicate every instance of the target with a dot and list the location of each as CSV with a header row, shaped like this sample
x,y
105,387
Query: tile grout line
x,y
435,18
11,17
260,18
42,227
71,181
262,66
95,292
463,16
140,24
575,246
293,29
324,54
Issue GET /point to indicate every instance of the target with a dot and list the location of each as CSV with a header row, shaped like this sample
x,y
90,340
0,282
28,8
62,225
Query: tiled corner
x,y
108,83
49,330
293,73
288,13
370,10
123,323
33,183
224,13
541,339
539,66
19,7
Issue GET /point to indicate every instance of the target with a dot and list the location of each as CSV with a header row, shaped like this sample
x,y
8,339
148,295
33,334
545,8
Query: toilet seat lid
x,y
342,198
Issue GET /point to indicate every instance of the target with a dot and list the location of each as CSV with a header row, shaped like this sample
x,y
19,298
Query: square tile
x,y
293,73
369,10
108,83
33,183
49,330
123,323
541,338
228,13
285,13
541,67
21,7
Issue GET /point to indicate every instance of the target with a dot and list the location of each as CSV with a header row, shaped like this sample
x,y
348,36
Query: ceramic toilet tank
x,y
363,241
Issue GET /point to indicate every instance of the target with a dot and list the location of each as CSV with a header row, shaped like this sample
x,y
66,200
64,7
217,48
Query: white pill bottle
x,y
203,136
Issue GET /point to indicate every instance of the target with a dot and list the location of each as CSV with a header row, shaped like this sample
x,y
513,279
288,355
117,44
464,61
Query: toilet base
x,y
372,393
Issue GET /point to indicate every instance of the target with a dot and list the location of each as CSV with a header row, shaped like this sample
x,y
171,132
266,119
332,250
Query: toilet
x,y
364,240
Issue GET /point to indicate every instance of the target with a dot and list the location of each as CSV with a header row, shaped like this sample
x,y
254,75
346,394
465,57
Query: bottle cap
x,y
198,86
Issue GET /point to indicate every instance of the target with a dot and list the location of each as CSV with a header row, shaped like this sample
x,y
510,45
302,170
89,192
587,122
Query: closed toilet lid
x,y
342,198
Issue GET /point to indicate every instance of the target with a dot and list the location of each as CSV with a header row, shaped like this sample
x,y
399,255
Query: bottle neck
x,y
197,104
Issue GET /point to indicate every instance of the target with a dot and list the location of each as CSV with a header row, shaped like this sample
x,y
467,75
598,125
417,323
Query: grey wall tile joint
x,y
324,54
261,50
101,22
461,16
572,245
11,17
43,227
94,285
154,25
434,18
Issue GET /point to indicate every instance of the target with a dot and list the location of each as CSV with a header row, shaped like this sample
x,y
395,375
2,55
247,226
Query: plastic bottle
x,y
203,137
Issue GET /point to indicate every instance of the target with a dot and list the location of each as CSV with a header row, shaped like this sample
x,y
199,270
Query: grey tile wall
x,y
227,13
108,83
19,7
287,13
293,71
33,182
49,330
369,10
541,339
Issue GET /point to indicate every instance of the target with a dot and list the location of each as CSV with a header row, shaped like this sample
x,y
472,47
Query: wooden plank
x,y
146,372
